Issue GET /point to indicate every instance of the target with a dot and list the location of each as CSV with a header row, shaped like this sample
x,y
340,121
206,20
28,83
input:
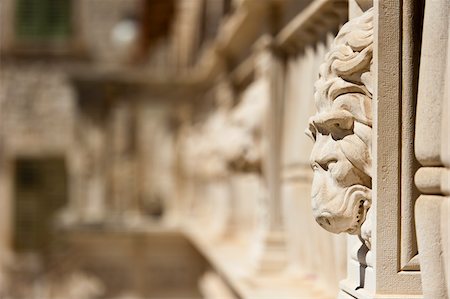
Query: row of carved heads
x,y
341,129
229,139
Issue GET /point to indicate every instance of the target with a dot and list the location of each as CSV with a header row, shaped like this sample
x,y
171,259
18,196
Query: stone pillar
x,y
445,179
86,170
6,214
123,183
432,150
94,209
206,164
270,252
304,260
246,190
154,163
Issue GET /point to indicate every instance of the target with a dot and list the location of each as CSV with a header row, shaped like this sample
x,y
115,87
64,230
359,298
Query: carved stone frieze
x,y
342,132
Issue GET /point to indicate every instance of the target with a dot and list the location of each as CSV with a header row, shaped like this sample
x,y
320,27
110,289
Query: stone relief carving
x,y
245,149
230,139
342,131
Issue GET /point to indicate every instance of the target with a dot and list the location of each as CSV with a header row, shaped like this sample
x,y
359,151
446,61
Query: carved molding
x,y
342,132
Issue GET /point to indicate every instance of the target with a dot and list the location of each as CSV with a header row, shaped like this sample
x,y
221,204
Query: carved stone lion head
x,y
245,142
342,130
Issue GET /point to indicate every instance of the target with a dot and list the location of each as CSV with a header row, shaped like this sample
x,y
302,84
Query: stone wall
x,y
38,107
206,139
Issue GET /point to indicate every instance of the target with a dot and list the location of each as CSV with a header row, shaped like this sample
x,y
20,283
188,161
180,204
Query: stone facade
x,y
187,151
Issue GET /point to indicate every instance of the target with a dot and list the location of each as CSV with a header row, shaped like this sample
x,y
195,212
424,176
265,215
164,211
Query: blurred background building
x,y
156,149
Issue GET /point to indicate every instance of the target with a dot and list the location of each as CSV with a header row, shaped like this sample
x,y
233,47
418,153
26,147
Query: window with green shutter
x,y
43,19
40,191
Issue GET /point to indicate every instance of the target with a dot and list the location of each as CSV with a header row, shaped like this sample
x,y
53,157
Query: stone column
x,y
445,179
123,181
94,208
246,190
6,213
270,252
329,265
432,150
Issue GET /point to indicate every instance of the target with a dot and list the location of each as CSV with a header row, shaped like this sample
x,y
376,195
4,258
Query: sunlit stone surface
x,y
156,149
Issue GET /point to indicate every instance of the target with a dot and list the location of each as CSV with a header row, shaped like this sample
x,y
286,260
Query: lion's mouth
x,y
345,212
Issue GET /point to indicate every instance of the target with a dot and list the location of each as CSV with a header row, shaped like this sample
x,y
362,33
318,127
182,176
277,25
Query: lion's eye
x,y
324,164
338,124
331,165
315,166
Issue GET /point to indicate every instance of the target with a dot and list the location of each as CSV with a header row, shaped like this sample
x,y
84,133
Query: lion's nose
x,y
324,151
